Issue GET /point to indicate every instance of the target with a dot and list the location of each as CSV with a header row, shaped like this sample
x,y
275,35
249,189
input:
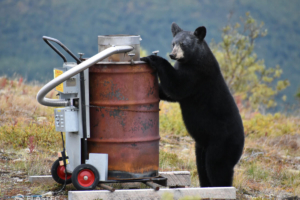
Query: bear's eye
x,y
181,43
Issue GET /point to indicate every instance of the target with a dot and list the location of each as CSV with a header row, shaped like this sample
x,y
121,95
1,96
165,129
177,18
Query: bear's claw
x,y
149,61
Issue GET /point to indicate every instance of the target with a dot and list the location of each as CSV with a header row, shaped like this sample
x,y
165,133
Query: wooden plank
x,y
177,178
188,180
182,180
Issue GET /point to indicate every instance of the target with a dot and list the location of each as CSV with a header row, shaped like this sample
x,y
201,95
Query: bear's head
x,y
186,44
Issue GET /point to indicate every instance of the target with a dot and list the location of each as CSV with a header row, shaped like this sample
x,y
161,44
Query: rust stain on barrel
x,y
124,118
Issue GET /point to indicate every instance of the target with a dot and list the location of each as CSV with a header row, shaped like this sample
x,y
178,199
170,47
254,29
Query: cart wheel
x,y
58,173
85,177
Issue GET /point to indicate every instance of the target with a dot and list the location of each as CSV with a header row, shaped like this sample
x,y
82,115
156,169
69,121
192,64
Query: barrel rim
x,y
121,63
117,63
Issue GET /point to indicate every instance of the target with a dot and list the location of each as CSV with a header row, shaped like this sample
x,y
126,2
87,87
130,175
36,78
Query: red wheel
x,y
85,177
58,173
61,173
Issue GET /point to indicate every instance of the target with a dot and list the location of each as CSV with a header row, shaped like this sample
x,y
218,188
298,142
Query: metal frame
x,y
147,181
159,180
74,143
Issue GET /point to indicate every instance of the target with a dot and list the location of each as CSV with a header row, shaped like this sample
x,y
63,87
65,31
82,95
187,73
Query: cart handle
x,y
47,39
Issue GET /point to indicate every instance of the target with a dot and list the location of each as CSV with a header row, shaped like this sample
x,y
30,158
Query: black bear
x,y
208,108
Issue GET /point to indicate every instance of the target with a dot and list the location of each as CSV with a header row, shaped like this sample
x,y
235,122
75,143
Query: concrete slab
x,y
137,194
41,179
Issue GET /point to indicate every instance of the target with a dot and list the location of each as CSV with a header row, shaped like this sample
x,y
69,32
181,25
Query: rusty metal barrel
x,y
124,117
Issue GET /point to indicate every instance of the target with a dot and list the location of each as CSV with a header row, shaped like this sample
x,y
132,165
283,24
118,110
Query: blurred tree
x,y
143,52
246,75
298,94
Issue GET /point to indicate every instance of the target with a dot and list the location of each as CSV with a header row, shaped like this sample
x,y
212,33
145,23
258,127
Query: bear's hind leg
x,y
201,166
219,169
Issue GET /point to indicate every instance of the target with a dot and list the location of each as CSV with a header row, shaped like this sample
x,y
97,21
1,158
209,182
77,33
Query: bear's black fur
x,y
208,108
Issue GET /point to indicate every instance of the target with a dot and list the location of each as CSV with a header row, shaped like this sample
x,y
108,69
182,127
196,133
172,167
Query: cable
x,y
65,165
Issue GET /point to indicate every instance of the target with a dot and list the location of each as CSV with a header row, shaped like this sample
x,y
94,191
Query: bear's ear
x,y
200,33
175,29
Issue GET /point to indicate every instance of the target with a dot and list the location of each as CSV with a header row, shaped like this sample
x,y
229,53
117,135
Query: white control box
x,y
66,119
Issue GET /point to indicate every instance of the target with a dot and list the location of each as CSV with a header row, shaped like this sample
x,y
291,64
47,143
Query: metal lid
x,y
106,41
118,39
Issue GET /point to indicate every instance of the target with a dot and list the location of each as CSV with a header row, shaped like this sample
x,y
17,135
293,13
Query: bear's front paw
x,y
150,60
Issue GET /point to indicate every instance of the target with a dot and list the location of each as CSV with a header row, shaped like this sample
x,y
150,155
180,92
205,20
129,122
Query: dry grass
x,y
22,117
269,168
27,138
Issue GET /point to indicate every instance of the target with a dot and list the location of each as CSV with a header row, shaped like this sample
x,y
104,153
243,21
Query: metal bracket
x,y
74,102
155,52
161,181
80,56
131,56
150,184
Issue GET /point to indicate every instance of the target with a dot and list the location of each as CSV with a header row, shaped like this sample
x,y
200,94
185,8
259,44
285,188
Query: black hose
x,y
64,159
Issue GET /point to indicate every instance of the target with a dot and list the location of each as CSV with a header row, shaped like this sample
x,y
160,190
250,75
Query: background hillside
x,y
78,23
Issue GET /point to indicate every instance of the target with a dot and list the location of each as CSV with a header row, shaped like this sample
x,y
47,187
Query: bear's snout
x,y
172,56
177,53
